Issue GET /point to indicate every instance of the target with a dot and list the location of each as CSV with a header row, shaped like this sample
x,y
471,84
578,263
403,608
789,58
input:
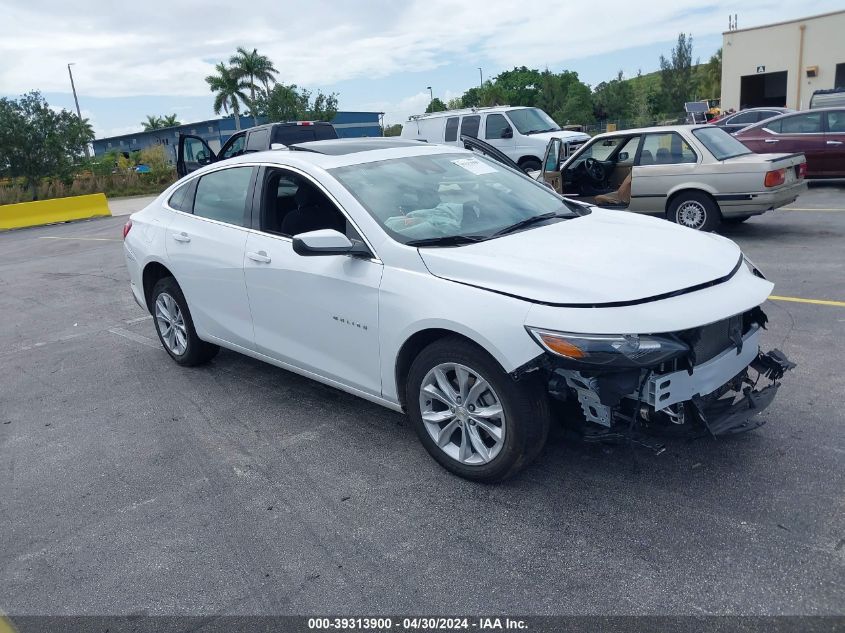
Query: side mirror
x,y
328,242
623,156
507,132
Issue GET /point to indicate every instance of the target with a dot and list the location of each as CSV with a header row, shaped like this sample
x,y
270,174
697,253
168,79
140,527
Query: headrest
x,y
306,195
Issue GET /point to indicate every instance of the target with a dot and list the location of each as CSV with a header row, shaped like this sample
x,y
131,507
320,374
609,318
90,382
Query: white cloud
x,y
167,48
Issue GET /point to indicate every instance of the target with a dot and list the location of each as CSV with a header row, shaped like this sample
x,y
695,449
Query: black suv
x,y
194,152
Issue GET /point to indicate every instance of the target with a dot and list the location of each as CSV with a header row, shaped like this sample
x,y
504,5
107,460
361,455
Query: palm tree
x,y
152,123
228,89
255,67
169,120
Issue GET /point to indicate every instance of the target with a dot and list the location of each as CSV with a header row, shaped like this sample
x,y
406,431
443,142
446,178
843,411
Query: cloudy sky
x,y
138,58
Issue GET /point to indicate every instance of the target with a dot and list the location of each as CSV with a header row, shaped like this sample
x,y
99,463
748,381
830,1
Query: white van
x,y
521,133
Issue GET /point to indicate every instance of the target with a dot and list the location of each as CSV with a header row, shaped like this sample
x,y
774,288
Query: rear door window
x,y
666,148
451,129
222,195
470,125
836,122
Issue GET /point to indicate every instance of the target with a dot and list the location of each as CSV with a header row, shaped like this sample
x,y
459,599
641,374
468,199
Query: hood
x,y
603,257
563,135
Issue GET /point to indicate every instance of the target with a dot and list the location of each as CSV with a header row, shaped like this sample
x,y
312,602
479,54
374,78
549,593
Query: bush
x,y
122,183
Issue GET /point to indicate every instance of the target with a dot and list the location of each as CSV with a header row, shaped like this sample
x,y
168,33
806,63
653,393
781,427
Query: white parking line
x,y
138,320
83,239
138,338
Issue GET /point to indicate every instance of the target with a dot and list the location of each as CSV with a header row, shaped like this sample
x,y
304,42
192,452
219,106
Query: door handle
x,y
181,237
834,142
260,257
771,140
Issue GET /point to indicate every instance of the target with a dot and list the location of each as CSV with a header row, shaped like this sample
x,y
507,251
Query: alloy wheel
x,y
692,214
171,324
462,413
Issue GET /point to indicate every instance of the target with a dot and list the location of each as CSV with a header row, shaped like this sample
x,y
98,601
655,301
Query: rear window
x,y
290,134
719,143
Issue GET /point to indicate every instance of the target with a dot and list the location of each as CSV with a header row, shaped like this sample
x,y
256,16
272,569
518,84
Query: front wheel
x,y
473,418
530,164
175,326
694,210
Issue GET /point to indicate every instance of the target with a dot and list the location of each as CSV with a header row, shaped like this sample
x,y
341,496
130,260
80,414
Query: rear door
x,y
193,153
834,141
664,160
205,249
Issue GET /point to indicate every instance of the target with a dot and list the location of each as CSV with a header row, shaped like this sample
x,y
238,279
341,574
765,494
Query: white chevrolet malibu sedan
x,y
437,282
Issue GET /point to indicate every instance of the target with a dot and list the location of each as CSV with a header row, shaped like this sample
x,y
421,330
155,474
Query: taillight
x,y
126,228
775,178
802,170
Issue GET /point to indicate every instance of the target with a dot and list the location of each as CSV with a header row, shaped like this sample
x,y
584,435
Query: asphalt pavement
x,y
129,485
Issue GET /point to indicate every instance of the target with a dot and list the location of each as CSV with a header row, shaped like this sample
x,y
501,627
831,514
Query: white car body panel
x,y
283,311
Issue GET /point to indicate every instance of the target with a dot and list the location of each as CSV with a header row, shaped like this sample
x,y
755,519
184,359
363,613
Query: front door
x,y
192,154
205,250
551,165
318,313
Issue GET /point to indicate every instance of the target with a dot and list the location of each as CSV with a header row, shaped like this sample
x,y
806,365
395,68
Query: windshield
x,y
532,120
721,144
448,198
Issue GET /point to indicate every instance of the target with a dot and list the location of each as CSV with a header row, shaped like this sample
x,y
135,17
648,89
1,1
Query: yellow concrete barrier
x,y
15,216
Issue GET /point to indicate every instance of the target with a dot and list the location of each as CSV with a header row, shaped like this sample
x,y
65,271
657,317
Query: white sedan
x,y
440,283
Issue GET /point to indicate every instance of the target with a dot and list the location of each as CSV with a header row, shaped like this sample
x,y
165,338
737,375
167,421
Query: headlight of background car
x,y
624,350
755,270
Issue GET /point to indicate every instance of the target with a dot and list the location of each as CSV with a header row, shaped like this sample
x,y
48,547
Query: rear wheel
x,y
473,418
176,328
694,210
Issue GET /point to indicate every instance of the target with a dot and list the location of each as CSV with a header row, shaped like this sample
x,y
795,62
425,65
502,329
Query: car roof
x,y
792,113
342,146
654,128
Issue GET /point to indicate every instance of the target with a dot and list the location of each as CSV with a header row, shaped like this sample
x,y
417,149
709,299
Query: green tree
x,y
614,99
455,104
228,91
253,68
393,130
436,105
676,74
153,122
290,103
710,77
37,141
170,120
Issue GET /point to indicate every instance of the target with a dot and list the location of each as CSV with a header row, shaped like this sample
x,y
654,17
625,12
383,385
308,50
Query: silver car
x,y
695,175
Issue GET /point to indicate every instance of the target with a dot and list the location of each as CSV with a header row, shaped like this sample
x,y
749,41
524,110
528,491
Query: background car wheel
x,y
694,210
473,418
176,328
531,165
736,219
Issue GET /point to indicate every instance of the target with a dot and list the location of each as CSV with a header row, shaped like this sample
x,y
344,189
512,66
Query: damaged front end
x,y
712,378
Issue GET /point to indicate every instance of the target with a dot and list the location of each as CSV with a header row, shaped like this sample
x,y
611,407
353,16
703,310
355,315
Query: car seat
x,y
646,158
313,211
620,197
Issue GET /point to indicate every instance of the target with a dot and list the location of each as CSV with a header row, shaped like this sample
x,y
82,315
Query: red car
x,y
818,134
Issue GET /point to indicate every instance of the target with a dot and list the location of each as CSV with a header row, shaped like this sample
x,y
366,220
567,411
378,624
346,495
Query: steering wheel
x,y
594,170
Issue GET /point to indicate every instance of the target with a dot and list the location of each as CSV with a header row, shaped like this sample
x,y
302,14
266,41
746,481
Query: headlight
x,y
753,268
626,350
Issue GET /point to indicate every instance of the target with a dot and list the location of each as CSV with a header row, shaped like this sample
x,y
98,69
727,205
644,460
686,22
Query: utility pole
x,y
480,79
76,100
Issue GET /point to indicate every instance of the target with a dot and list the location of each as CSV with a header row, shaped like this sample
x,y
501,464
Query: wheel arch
x,y
526,158
152,273
418,341
709,192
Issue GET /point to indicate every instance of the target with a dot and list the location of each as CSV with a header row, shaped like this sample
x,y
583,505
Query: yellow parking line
x,y
821,302
85,239
807,209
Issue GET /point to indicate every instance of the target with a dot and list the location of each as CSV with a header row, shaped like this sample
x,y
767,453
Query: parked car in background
x,y
735,122
833,98
434,281
695,175
520,133
194,152
818,134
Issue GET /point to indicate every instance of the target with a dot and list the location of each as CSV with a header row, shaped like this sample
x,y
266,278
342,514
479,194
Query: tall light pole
x,y
76,100
480,79
431,93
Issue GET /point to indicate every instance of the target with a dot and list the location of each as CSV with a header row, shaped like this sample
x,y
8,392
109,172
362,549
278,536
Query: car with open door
x,y
694,175
437,282
818,134
194,151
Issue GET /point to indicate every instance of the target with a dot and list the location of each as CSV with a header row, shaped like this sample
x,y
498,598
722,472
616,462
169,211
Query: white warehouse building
x,y
782,64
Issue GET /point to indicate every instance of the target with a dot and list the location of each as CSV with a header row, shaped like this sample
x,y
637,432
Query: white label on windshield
x,y
474,166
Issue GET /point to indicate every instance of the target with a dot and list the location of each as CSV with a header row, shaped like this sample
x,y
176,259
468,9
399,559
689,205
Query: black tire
x,y
736,219
524,403
196,350
688,204
531,164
